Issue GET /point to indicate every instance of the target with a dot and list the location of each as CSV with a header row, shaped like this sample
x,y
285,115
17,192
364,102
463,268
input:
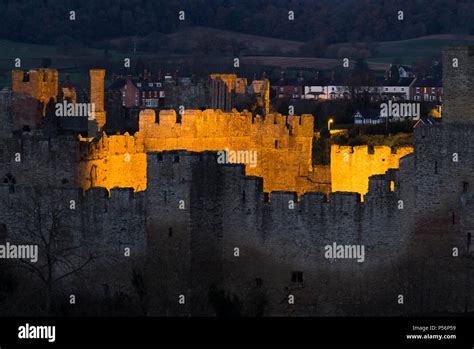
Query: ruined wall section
x,y
283,144
97,77
41,84
261,88
31,93
117,161
351,167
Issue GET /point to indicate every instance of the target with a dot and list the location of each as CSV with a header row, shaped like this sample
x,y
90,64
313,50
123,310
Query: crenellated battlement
x,y
161,166
275,147
216,123
107,145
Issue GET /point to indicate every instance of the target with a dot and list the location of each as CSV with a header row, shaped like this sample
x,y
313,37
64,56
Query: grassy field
x,y
74,61
416,49
190,36
32,55
259,51
305,62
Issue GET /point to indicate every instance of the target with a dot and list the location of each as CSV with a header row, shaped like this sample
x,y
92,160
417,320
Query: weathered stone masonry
x,y
195,214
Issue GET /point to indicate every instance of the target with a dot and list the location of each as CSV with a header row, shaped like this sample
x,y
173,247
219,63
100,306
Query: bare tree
x,y
47,224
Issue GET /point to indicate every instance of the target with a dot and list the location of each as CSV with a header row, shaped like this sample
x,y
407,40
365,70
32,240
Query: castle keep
x,y
226,235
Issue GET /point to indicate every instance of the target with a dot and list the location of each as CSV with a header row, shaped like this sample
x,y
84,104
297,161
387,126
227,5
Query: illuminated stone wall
x,y
283,147
229,79
41,84
283,144
97,95
113,162
31,92
351,167
262,89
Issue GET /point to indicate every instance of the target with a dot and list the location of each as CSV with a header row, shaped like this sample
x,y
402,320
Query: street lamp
x,y
330,121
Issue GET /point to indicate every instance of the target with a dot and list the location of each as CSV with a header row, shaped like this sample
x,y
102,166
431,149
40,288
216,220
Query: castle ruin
x,y
196,227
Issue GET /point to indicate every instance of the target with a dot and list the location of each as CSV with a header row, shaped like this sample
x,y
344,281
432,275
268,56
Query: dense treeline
x,y
320,22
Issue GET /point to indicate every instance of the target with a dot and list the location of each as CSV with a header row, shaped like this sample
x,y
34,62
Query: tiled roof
x,y
398,82
117,84
428,82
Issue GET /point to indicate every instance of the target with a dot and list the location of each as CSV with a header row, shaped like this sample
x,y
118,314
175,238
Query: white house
x,y
397,89
368,117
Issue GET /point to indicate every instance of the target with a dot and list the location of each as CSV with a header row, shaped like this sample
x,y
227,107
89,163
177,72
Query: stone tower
x,y
458,85
223,91
40,84
443,162
261,89
97,96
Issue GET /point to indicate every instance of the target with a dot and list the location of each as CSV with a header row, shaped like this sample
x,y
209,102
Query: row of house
x,y
219,91
372,116
140,93
400,88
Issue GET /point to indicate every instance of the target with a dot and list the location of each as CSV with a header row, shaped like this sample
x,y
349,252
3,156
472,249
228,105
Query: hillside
x,y
416,49
190,37
305,62
217,45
